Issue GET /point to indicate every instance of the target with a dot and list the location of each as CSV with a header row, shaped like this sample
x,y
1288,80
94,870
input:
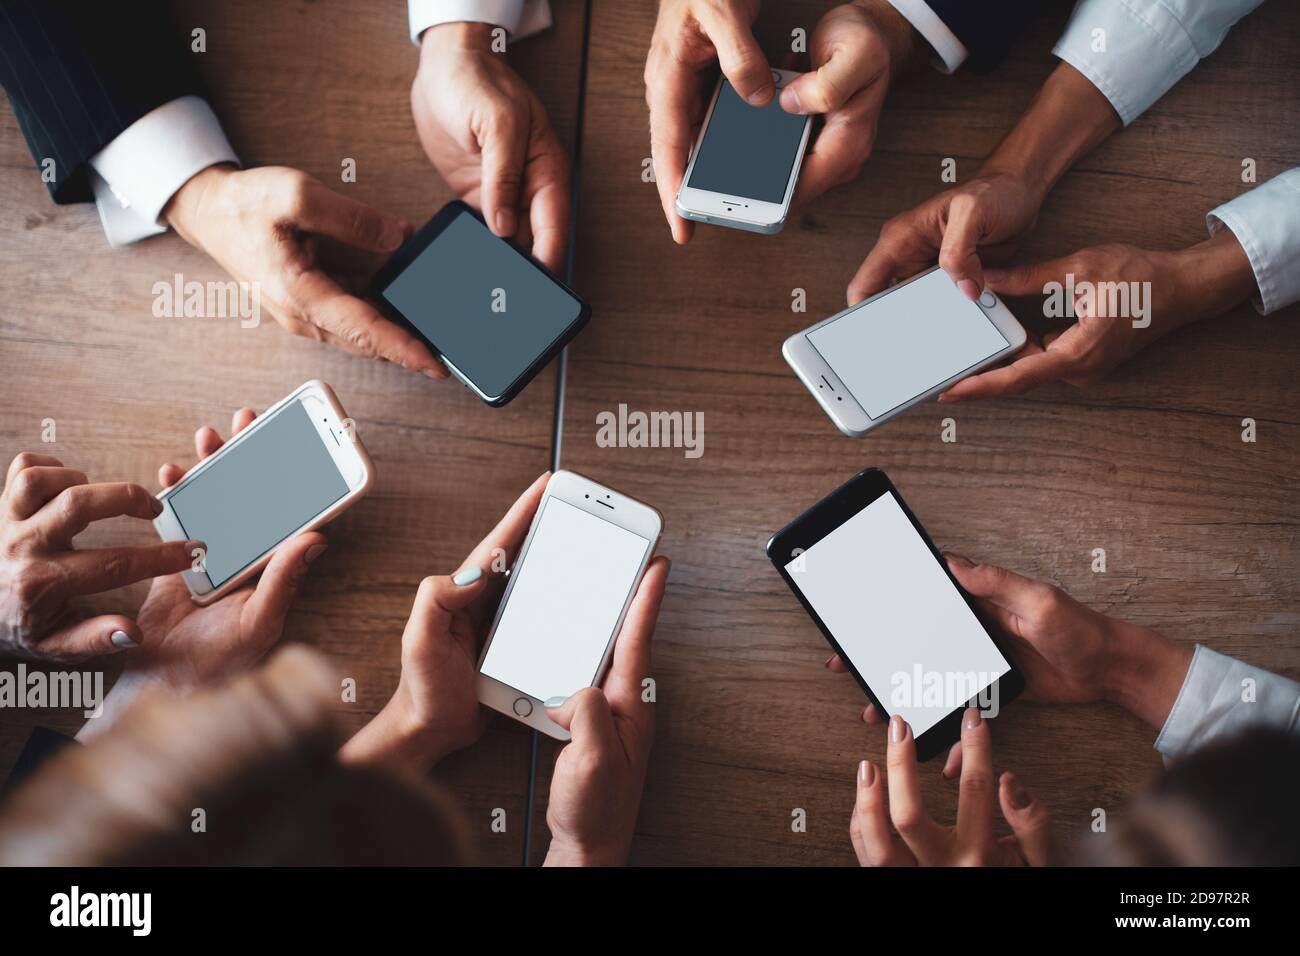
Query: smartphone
x,y
569,590
489,311
870,578
745,162
294,469
900,347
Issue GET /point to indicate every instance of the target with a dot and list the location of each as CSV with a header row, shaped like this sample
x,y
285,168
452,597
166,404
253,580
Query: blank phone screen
x,y
894,348
267,486
892,608
485,307
748,151
571,588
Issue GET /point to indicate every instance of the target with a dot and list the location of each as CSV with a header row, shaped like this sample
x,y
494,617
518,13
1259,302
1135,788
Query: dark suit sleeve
x,y
987,28
40,747
79,72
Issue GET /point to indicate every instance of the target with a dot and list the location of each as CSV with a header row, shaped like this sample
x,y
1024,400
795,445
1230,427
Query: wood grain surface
x,y
1199,528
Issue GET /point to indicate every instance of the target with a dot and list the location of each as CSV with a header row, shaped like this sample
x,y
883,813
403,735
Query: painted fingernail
x,y
960,560
790,100
314,552
556,701
467,576
1016,793
971,720
969,289
122,639
897,729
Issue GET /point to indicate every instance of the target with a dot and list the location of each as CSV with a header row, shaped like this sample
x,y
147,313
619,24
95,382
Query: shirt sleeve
x,y
1134,51
1222,696
1266,221
139,171
949,51
519,18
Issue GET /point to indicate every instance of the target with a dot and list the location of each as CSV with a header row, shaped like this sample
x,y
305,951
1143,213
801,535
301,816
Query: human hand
x,y
949,227
1122,299
970,841
690,36
42,508
600,772
488,134
262,226
435,709
856,49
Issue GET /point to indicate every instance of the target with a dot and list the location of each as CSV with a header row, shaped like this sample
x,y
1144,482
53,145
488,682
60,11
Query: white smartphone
x,y
745,162
900,347
569,591
296,467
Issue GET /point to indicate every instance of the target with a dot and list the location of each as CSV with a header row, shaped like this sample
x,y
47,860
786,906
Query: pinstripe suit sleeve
x,y
79,73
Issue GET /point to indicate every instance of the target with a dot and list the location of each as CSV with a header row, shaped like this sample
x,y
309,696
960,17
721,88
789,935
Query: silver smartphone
x,y
746,162
900,347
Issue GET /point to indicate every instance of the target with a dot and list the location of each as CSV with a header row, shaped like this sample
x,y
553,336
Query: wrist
x,y
567,853
183,210
1214,276
398,737
445,38
1066,120
1143,671
904,45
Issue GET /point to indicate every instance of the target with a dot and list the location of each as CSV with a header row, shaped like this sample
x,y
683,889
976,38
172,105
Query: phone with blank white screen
x,y
899,348
746,161
867,573
569,591
295,468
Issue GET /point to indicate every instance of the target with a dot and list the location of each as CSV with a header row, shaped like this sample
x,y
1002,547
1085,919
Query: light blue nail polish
x,y
467,576
553,702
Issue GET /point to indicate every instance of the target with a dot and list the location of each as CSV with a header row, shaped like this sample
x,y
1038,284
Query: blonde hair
x,y
256,761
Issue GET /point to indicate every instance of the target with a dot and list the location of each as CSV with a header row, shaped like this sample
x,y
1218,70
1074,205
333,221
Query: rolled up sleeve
x,y
1266,221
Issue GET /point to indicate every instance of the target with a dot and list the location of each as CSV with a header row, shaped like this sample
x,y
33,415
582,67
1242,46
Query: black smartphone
x,y
490,312
870,577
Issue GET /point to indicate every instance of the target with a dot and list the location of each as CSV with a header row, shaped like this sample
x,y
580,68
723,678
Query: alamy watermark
x,y
179,299
638,429
1103,300
40,689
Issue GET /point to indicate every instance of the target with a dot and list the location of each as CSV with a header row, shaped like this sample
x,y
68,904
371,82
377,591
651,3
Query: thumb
x,y
957,253
269,603
1029,820
1005,589
440,597
832,84
504,154
1025,280
586,715
93,637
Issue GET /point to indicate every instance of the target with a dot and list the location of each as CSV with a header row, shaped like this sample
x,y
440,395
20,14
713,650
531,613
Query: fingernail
x,y
122,639
969,289
505,222
863,770
828,661
433,373
897,729
972,718
994,275
759,97
314,552
960,560
157,507
790,100
467,576
394,236
1017,794
556,701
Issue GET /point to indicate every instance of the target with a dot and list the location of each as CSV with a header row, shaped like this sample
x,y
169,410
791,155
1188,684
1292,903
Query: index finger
x,y
906,808
976,796
1028,371
631,663
672,91
72,510
510,531
105,569
547,194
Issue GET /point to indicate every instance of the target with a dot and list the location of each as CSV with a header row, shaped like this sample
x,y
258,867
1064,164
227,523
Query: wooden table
x,y
1198,527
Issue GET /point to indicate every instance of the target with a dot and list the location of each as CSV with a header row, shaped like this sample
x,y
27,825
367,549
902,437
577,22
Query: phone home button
x,y
988,299
523,707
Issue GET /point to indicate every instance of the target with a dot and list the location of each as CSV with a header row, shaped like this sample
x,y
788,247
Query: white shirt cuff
x,y
519,18
1266,221
135,175
1215,702
950,50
